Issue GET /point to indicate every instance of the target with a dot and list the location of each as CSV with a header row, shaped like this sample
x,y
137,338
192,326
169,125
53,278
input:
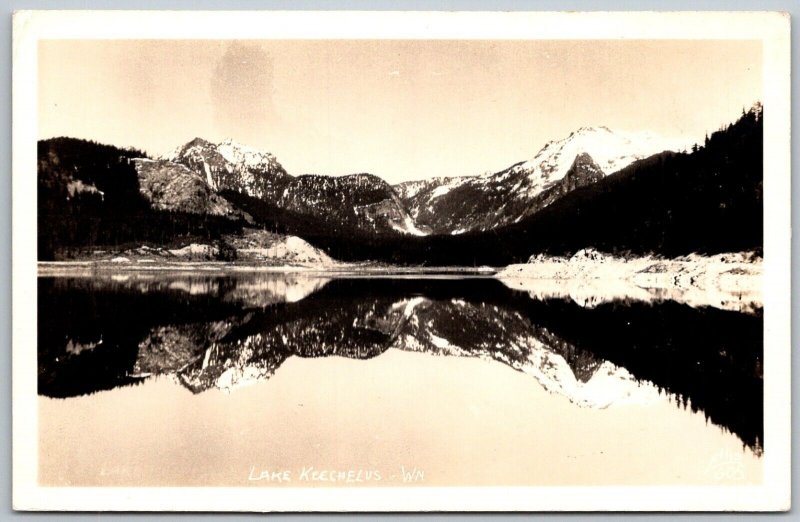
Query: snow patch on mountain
x,y
408,227
238,154
441,190
409,189
76,186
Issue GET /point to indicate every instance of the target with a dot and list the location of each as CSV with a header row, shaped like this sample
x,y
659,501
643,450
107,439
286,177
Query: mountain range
x,y
214,188
445,205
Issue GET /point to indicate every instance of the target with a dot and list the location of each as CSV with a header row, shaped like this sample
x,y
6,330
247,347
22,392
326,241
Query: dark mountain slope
x,y
363,201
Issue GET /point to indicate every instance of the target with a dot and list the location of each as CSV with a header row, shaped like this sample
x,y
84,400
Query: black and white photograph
x,y
281,264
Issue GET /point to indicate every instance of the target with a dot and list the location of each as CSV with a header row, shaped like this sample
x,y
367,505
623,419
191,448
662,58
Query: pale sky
x,y
399,109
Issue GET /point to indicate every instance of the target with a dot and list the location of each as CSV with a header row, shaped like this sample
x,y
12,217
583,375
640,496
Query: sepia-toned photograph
x,y
302,263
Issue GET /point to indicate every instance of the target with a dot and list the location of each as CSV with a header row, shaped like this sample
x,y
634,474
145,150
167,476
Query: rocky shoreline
x,y
731,281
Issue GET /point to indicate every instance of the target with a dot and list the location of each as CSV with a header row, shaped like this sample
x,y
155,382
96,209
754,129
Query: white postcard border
x,y
771,28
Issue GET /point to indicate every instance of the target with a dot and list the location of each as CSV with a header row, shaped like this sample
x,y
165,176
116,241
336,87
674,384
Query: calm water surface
x,y
272,380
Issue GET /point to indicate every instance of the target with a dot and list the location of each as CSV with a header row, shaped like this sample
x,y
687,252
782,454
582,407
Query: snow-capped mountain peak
x,y
234,153
231,165
611,151
591,130
193,146
586,155
244,155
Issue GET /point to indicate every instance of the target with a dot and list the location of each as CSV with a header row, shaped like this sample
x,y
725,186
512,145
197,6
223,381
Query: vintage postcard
x,y
397,261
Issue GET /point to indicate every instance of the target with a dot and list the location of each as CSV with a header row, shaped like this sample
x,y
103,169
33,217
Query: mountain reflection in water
x,y
99,333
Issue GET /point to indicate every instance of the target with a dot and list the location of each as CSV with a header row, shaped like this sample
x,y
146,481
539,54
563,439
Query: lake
x,y
274,380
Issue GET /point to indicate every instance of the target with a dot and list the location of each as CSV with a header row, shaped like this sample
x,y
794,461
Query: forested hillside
x,y
88,195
